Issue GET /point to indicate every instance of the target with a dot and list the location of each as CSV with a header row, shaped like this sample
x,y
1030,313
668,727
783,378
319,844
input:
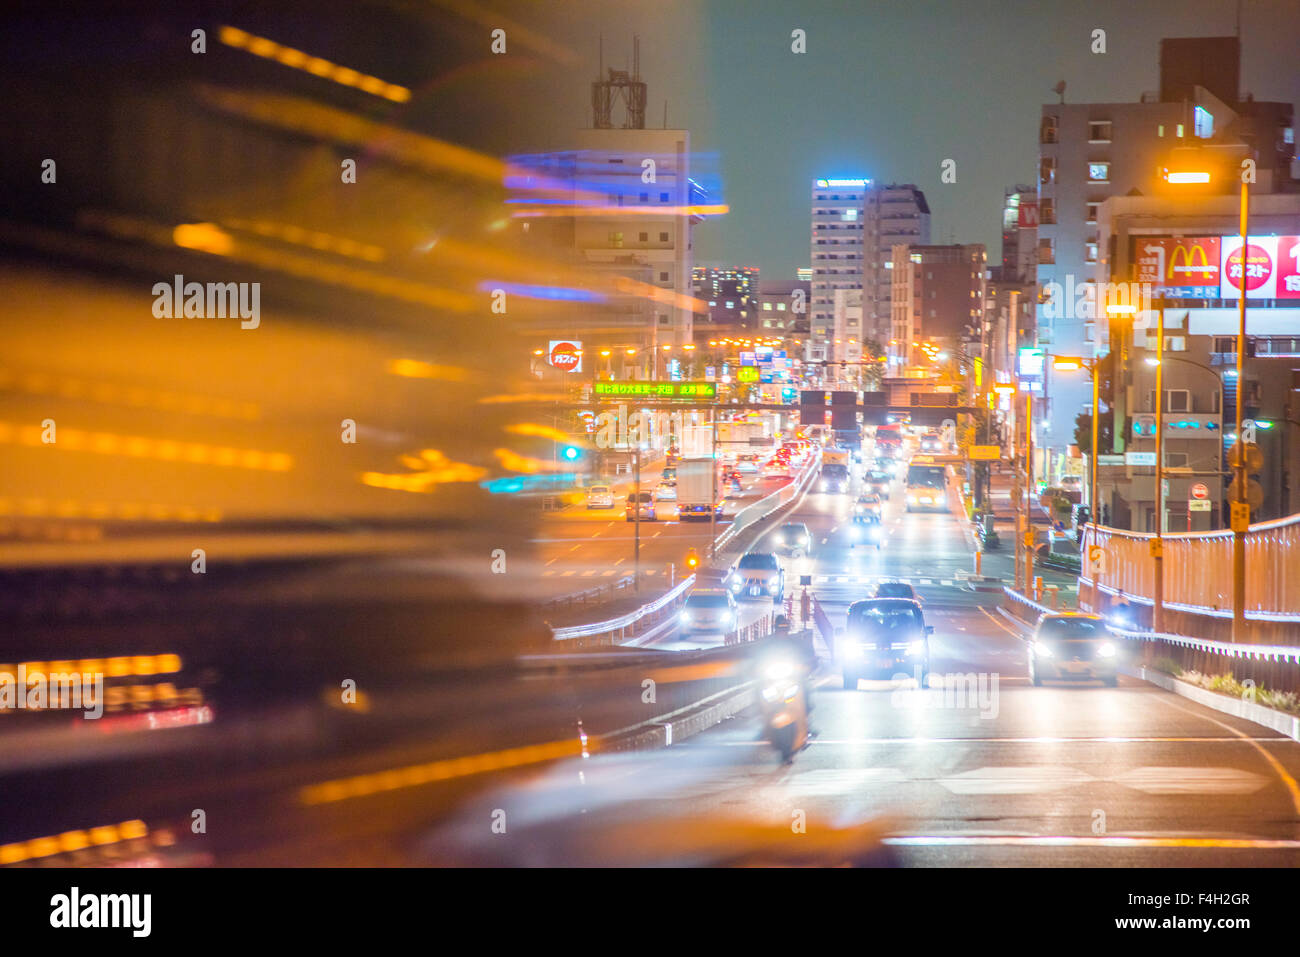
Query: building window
x,y
1047,210
1047,131
1178,131
643,237
1099,172
663,237
663,320
1160,129
1047,170
663,277
1099,131
645,197
1046,254
616,239
663,197
1090,251
780,307
767,307
1091,215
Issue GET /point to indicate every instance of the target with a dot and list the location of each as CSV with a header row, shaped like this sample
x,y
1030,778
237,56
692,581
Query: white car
x,y
1073,646
600,496
666,492
708,612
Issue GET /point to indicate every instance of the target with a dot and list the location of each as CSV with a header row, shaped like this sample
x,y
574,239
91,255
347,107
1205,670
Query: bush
x,y
1168,666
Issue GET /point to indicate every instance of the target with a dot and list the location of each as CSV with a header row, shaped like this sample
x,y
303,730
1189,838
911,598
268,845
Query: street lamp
x,y
1240,509
1074,364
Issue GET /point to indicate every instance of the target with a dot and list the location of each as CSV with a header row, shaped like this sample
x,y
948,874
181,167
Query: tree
x,y
1083,431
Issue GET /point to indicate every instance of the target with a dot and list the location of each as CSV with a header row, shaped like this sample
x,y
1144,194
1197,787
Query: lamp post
x,y
1240,509
1072,364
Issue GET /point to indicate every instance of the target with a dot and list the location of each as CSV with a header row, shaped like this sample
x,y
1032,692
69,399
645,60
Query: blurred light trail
x,y
106,393
72,841
415,775
557,293
317,66
125,511
139,446
415,369
435,469
537,429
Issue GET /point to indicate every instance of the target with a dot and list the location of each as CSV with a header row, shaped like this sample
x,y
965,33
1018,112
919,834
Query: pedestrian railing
x,y
766,506
597,594
1198,569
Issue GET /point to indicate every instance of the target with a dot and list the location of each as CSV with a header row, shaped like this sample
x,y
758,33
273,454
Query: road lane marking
x,y
1288,781
999,623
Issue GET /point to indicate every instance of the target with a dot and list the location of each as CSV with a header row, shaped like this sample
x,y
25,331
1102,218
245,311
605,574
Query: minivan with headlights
x,y
1072,646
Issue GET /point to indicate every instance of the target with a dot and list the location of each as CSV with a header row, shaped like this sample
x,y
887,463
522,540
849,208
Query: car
x,y
600,496
776,469
708,611
747,464
669,474
757,575
868,503
883,637
793,537
647,509
896,590
878,480
666,492
1073,646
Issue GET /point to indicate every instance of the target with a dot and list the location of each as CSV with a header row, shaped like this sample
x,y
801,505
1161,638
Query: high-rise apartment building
x,y
1089,152
855,223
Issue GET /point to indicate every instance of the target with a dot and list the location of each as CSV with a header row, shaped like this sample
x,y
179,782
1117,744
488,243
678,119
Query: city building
x,y
937,302
1090,152
783,306
732,294
855,224
1182,249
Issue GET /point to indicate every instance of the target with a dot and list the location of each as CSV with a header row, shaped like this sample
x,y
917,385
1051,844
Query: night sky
x,y
886,91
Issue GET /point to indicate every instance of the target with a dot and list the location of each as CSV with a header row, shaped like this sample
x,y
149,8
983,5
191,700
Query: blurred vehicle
x,y
793,537
867,528
882,637
868,503
695,489
927,488
878,480
666,492
600,496
1073,483
896,590
783,702
931,442
646,509
1072,646
776,468
835,471
757,575
708,611
669,474
747,463
672,455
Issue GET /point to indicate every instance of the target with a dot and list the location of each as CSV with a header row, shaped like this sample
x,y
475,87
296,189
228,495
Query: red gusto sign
x,y
566,355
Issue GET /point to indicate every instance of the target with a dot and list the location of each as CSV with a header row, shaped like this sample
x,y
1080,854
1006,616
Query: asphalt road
x,y
980,769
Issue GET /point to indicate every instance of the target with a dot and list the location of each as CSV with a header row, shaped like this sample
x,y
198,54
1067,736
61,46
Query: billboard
x,y
1031,363
1210,267
565,355
1027,217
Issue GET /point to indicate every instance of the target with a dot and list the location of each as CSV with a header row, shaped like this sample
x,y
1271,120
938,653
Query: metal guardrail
x,y
617,630
590,596
1276,667
765,506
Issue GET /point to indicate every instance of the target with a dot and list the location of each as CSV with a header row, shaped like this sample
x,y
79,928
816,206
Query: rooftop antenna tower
x,y
619,86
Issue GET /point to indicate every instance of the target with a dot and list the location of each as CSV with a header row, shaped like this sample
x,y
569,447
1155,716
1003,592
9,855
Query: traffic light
x,y
571,452
692,559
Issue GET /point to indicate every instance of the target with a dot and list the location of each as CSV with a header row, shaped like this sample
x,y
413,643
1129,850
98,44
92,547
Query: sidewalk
x,y
1001,562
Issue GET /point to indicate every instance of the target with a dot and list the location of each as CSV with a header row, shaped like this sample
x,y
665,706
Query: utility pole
x,y
1158,543
636,520
1240,508
1029,482
713,502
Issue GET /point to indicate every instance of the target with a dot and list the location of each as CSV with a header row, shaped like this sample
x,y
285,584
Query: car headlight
x,y
736,584
780,539
911,500
852,649
1042,650
803,540
686,618
916,647
1107,650
774,587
